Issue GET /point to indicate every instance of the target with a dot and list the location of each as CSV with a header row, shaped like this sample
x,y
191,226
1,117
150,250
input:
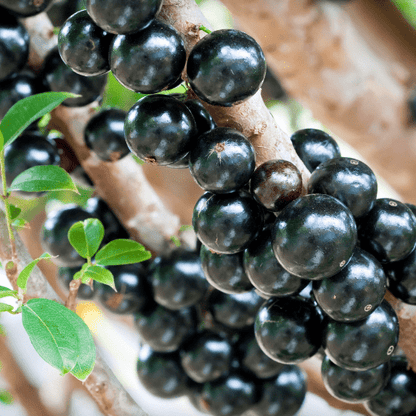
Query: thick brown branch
x,y
356,84
20,387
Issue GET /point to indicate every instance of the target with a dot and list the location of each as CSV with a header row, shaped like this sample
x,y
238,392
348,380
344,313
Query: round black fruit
x,y
203,119
398,397
26,8
401,278
161,373
282,395
314,236
178,279
231,395
133,290
288,330
222,160
123,17
150,60
27,151
314,146
227,223
163,329
354,386
14,45
159,129
350,181
17,87
235,310
265,272
104,135
59,77
275,183
226,67
206,357
365,344
225,271
84,46
354,292
388,231
55,234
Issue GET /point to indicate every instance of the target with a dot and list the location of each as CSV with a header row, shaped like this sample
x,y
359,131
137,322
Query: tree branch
x,y
355,83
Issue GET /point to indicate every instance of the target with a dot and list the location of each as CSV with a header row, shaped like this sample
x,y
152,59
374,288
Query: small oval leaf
x,y
20,223
122,251
86,236
25,273
6,397
51,332
26,111
43,178
5,308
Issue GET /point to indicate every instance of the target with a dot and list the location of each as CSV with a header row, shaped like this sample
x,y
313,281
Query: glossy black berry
x,y
98,208
161,373
222,160
314,146
350,181
133,290
104,135
150,60
178,279
159,129
253,358
388,231
354,292
206,357
314,236
28,150
365,344
65,277
231,395
235,310
265,272
203,119
26,8
195,396
163,329
14,45
16,88
123,17
227,223
226,67
225,271
354,386
398,397
59,77
401,278
84,46
282,395
275,183
288,330
55,234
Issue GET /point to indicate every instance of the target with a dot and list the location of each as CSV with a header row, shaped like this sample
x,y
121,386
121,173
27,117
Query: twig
x,y
71,301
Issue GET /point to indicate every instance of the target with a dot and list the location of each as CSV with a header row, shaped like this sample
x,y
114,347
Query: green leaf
x,y
5,308
52,332
185,228
5,292
20,223
26,111
1,140
138,160
86,236
6,397
14,211
176,240
25,273
96,273
43,178
122,251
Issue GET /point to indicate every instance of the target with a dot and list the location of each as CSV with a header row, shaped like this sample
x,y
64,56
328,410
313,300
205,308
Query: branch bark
x,y
349,66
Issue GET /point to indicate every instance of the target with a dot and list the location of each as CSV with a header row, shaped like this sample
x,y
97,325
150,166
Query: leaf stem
x,y
5,196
